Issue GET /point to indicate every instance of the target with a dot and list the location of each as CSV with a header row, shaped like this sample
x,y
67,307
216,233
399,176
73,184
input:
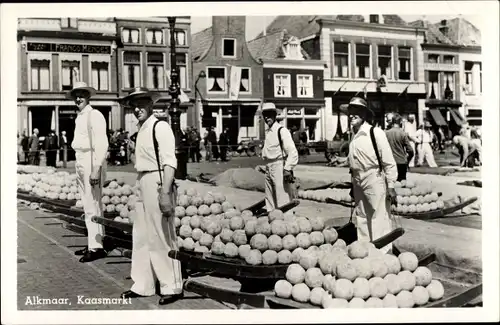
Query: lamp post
x,y
174,109
201,75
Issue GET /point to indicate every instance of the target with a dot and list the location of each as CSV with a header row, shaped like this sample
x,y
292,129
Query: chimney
x,y
443,28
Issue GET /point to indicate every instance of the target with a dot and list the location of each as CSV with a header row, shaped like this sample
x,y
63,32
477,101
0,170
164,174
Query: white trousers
x,y
412,161
276,196
424,151
372,208
153,236
91,198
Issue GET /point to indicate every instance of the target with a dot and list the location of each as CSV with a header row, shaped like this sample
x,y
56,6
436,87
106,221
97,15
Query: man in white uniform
x,y
153,234
410,127
91,145
424,137
280,159
373,189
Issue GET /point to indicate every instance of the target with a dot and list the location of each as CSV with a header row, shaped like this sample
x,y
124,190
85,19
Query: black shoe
x,y
93,255
82,251
130,294
168,299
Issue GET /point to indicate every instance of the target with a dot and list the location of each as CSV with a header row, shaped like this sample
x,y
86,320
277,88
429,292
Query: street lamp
x,y
201,75
174,109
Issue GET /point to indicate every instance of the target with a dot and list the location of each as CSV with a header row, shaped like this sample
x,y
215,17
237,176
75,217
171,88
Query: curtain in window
x,y
125,35
161,77
44,78
280,88
66,76
150,77
245,85
103,74
34,79
182,77
210,83
95,79
149,36
135,36
126,83
159,37
76,74
434,91
137,76
181,38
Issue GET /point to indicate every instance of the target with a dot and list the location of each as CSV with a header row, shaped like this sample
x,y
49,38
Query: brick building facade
x,y
53,53
227,79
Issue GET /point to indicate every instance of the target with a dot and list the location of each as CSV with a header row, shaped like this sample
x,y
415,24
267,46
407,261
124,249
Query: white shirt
x,y
423,136
272,149
362,156
145,158
81,140
410,128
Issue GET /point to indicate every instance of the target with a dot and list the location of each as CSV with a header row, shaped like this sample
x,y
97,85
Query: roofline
x,y
452,46
363,24
285,61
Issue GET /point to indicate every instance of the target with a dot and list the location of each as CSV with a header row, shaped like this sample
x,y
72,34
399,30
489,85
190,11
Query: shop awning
x,y
437,117
457,117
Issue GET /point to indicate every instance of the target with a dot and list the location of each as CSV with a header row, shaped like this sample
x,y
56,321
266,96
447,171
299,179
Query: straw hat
x,y
80,85
356,104
269,107
140,92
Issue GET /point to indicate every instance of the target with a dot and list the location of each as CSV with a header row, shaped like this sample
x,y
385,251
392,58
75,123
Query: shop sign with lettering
x,y
69,48
294,111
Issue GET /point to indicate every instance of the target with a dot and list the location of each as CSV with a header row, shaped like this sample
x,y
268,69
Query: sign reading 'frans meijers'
x,y
69,48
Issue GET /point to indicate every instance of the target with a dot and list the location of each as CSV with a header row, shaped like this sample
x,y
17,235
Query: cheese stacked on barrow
x,y
358,276
416,198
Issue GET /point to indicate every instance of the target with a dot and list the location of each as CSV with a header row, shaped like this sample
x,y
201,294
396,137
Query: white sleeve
x,y
388,162
99,137
166,145
289,149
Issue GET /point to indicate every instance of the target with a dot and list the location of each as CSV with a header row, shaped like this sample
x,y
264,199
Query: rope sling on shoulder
x,y
291,186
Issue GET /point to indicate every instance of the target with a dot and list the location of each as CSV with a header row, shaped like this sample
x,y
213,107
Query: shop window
x,y
362,61
216,80
70,74
449,59
40,75
154,36
469,81
156,71
245,80
282,85
130,35
304,85
131,69
181,60
433,58
229,47
385,61
99,75
404,63
448,85
341,60
180,37
433,87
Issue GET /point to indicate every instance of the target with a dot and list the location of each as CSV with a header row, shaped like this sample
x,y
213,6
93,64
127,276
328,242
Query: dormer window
x,y
375,19
292,50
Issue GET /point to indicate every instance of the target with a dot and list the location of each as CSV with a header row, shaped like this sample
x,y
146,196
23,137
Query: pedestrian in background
x,y
223,144
410,127
25,146
63,146
400,146
33,147
50,147
424,138
374,173
281,156
91,145
153,234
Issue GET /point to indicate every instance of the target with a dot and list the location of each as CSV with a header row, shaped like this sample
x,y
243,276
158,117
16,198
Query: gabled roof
x,y
303,26
434,36
462,32
201,42
270,47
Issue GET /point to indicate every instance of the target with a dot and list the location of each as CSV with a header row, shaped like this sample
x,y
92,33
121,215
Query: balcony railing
x,y
54,24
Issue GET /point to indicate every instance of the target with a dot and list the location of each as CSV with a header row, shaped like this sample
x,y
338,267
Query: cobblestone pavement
x,y
47,268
